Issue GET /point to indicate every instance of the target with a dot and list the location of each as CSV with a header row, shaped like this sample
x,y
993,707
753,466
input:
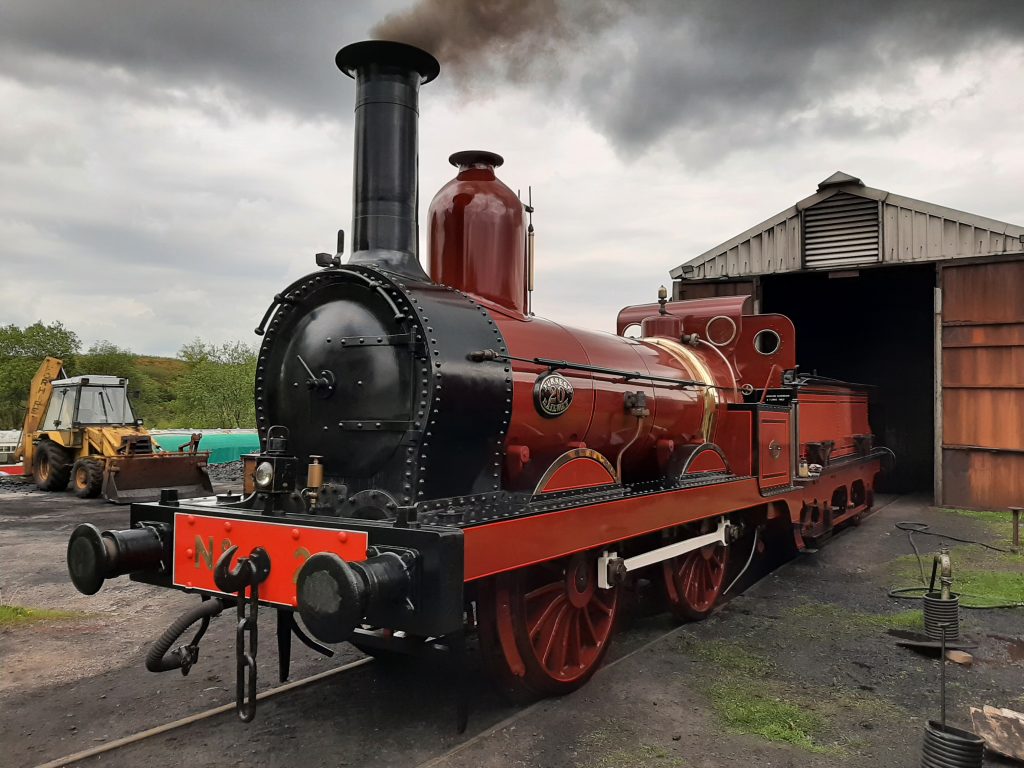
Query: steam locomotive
x,y
437,460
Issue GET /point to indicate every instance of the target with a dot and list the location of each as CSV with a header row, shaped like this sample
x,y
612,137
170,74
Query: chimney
x,y
385,194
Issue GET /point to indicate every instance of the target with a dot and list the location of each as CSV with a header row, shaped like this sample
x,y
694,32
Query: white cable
x,y
750,559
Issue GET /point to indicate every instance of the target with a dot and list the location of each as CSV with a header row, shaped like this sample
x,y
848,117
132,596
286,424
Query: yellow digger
x,y
82,429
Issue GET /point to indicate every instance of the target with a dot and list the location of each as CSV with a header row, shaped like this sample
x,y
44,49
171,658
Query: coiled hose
x,y
159,660
949,747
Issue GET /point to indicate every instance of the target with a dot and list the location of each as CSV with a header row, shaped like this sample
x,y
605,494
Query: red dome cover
x,y
477,233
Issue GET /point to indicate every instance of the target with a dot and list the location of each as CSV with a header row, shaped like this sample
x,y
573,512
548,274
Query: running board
x,y
612,569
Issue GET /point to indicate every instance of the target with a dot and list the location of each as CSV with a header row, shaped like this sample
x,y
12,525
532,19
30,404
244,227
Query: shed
x,y
924,302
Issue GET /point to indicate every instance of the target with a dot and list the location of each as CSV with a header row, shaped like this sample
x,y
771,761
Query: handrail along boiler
x,y
436,459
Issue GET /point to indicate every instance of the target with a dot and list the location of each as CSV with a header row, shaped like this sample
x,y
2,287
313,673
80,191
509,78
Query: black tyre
x,y
87,478
51,467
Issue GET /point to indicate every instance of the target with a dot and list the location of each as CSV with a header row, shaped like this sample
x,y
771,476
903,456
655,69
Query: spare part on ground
x,y
82,430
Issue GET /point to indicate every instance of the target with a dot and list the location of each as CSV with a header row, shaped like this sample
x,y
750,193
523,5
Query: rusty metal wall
x,y
983,384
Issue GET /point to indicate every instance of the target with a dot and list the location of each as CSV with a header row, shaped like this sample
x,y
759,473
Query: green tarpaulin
x,y
223,447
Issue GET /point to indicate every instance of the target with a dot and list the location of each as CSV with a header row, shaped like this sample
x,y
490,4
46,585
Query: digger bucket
x,y
141,478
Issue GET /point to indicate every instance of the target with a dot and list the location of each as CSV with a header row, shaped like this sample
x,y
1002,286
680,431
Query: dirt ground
x,y
803,656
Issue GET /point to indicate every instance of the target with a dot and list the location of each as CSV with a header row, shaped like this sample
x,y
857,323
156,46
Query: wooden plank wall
x,y
983,385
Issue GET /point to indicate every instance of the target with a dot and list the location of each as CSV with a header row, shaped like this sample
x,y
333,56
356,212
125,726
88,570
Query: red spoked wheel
x,y
544,630
694,581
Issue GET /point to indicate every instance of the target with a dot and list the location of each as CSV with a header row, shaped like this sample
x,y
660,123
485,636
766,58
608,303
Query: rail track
x,y
433,762
149,733
174,725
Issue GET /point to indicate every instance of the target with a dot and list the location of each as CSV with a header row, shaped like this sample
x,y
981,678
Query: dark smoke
x,y
510,39
710,76
705,77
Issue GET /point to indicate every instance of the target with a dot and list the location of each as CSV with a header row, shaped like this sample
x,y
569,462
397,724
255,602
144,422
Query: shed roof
x,y
908,230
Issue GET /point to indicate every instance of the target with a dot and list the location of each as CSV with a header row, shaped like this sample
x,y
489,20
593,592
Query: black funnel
x,y
385,229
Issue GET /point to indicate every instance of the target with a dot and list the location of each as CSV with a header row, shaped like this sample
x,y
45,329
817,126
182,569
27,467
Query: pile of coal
x,y
226,474
15,484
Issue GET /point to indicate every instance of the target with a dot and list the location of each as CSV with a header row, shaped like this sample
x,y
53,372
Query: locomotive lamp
x,y
264,476
275,470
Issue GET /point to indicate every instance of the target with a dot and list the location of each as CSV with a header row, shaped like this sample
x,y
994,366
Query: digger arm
x,y
38,398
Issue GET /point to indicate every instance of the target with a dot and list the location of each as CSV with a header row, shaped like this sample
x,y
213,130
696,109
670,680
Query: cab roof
x,y
107,381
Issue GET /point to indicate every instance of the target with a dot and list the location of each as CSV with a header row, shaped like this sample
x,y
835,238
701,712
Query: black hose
x,y
907,593
912,527
157,658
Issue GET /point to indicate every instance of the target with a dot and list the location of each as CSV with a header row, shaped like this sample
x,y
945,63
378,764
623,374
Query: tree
x,y
218,389
106,359
149,398
21,352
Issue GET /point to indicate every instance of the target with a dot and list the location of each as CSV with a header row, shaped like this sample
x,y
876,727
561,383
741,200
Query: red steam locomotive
x,y
438,460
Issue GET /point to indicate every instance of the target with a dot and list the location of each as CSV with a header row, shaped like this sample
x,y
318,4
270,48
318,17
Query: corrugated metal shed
x,y
919,301
846,223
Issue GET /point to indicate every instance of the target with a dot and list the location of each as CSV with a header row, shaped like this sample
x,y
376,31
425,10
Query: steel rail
x,y
441,759
476,738
135,738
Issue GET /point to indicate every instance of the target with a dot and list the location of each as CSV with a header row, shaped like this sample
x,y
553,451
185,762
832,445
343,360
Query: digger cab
x,y
82,401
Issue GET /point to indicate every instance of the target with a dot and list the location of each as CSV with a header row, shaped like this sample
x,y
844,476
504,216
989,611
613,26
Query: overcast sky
x,y
167,166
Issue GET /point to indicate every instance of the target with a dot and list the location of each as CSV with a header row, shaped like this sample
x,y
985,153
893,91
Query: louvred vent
x,y
842,230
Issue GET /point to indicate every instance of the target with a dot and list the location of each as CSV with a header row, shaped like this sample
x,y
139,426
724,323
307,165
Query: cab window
x,y
104,405
61,410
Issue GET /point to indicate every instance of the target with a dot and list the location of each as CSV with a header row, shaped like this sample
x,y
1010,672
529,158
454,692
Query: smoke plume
x,y
707,75
509,39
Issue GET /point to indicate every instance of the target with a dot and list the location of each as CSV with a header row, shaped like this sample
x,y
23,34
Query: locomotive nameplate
x,y
199,540
552,394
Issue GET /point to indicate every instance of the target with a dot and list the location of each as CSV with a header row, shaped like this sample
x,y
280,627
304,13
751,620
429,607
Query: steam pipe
x,y
385,195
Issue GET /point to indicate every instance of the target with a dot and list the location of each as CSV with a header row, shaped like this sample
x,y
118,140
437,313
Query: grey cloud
x,y
187,158
716,75
268,55
707,76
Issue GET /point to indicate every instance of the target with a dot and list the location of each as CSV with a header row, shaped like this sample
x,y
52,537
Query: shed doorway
x,y
876,327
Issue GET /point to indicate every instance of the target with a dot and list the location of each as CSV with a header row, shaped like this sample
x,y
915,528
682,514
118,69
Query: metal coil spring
x,y
939,611
949,747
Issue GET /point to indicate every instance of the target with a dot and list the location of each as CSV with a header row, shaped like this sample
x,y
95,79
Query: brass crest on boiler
x,y
552,394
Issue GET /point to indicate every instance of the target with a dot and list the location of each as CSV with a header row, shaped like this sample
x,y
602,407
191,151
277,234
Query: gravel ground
x,y
803,639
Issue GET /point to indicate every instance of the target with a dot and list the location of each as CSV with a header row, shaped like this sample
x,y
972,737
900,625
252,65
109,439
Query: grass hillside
x,y
162,370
